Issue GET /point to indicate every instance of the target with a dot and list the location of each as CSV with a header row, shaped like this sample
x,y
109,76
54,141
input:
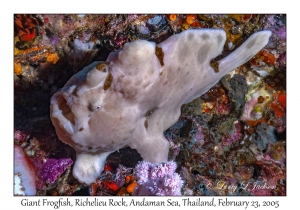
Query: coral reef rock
x,y
137,93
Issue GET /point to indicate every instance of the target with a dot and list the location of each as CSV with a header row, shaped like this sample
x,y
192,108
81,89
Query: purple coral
x,y
158,179
281,32
50,170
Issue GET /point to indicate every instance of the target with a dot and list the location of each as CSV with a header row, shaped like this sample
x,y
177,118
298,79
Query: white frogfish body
x,y
136,94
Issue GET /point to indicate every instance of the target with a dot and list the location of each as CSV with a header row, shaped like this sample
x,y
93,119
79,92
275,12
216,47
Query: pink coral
x,y
20,136
142,171
158,179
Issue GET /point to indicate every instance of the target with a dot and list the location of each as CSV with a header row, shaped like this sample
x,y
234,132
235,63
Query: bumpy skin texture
x,y
137,93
